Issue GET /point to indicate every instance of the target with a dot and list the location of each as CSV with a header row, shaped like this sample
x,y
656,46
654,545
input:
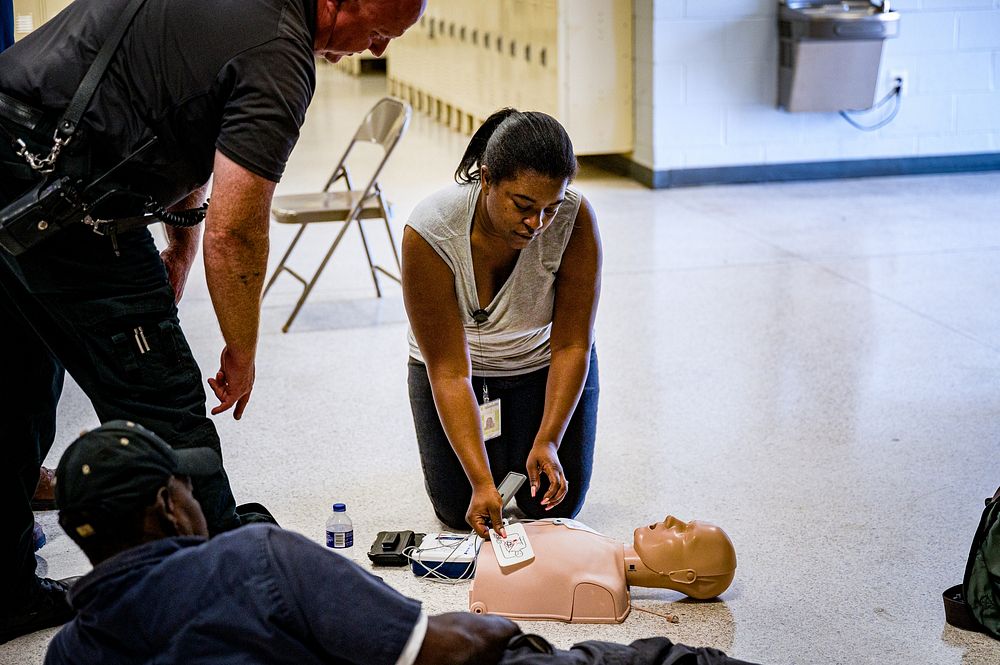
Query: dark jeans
x,y
522,402
71,305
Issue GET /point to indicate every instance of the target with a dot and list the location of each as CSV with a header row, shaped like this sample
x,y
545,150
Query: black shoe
x,y
44,497
47,606
254,513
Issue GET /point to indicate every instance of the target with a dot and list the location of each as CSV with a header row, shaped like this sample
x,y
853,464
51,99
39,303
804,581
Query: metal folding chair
x,y
384,125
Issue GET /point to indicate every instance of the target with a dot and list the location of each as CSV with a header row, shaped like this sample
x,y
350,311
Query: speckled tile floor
x,y
812,366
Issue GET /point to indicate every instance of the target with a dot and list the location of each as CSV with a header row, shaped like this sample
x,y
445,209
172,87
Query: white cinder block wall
x,y
706,86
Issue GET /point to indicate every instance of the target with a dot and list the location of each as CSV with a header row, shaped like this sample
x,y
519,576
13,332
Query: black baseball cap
x,y
118,467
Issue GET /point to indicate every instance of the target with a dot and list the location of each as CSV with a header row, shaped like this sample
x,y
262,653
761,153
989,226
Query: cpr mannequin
x,y
581,576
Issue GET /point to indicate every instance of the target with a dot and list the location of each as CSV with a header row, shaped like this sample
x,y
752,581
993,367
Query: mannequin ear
x,y
686,576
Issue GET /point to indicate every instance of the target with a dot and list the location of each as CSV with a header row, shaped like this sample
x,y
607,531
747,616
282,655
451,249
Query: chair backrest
x,y
383,125
385,122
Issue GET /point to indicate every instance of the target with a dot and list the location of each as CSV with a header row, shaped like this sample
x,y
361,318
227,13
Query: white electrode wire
x,y
896,92
433,574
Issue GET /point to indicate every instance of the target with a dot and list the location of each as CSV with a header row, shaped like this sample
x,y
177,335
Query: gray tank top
x,y
515,338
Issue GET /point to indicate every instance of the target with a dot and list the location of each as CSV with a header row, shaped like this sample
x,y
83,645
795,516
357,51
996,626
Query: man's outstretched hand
x,y
233,383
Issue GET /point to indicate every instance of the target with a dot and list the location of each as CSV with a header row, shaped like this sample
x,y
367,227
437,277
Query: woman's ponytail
x,y
468,168
512,141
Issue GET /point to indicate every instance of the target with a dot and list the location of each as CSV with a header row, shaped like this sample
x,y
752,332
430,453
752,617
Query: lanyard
x,y
481,316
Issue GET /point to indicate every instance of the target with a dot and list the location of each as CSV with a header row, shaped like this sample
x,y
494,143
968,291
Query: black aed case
x,y
389,547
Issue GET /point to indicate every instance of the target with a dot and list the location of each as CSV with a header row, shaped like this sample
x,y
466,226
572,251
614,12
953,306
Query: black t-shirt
x,y
200,75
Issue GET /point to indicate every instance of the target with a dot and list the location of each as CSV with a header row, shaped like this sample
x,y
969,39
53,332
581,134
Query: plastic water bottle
x,y
339,528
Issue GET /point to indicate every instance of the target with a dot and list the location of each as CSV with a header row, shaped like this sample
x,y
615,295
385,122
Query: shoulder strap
x,y
81,99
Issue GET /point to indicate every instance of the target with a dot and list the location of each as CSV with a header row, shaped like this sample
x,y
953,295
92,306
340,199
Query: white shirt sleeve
x,y
412,648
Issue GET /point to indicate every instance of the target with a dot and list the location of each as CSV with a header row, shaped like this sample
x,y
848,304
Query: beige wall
x,y
707,76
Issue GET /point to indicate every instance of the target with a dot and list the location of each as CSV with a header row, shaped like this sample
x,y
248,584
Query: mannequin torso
x,y
577,575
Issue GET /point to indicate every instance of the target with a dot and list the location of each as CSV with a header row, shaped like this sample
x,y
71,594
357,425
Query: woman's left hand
x,y
544,458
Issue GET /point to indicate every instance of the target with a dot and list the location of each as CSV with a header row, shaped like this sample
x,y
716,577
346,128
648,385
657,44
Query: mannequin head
x,y
695,558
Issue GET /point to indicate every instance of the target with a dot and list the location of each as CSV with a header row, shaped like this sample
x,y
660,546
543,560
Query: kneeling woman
x,y
501,278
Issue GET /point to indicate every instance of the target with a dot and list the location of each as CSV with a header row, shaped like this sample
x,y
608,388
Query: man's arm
x,y
182,243
236,246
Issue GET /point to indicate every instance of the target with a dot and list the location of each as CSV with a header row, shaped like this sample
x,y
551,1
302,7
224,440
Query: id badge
x,y
489,413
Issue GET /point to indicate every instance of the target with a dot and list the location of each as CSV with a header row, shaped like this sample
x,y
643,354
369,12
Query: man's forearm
x,y
193,200
187,237
235,264
183,236
236,246
182,243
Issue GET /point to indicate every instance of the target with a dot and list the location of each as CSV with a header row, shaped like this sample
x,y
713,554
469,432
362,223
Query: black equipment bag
x,y
975,603
40,203
49,206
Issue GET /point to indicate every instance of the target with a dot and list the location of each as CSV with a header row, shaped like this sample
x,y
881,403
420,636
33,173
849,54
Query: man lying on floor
x,y
161,591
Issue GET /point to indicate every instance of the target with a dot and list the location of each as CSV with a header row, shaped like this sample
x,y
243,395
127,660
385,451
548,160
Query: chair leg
x,y
368,255
392,240
312,282
395,252
281,264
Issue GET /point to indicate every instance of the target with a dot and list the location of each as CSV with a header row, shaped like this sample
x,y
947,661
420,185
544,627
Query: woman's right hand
x,y
486,511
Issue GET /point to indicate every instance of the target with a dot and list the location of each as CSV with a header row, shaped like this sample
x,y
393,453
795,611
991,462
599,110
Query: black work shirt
x,y
200,75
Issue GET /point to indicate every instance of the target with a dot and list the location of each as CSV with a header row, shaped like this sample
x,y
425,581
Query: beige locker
x,y
569,58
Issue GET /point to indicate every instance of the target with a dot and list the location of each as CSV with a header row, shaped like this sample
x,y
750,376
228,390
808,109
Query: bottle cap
x,y
339,508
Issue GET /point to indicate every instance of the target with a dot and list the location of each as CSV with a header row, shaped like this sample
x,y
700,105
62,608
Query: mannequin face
x,y
673,547
674,529
519,209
